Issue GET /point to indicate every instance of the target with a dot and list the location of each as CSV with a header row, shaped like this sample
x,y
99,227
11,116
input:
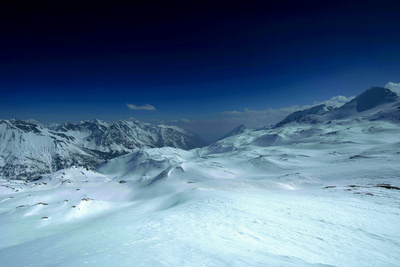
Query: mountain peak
x,y
238,130
375,103
28,149
374,97
305,115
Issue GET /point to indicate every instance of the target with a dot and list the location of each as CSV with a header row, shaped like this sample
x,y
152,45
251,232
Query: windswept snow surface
x,y
298,195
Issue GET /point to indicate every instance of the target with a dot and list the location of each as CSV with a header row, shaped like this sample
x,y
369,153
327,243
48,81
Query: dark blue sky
x,y
69,61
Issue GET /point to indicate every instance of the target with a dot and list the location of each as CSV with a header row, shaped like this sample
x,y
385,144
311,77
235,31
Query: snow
x,y
315,198
28,149
323,193
376,103
238,130
368,103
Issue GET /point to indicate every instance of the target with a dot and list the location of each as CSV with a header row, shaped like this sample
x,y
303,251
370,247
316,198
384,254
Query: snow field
x,y
324,195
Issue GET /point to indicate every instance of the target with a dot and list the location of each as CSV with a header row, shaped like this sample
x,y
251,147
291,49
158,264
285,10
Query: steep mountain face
x,y
27,149
30,148
123,136
373,101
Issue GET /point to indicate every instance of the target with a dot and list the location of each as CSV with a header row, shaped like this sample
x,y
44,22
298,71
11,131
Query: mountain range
x,y
376,103
29,148
320,188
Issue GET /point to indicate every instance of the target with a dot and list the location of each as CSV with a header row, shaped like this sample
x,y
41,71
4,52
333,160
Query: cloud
x,y
231,113
337,101
214,129
144,107
394,87
255,118
169,122
258,118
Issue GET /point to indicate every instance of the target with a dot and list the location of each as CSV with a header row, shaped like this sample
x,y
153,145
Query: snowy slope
x,y
326,194
238,130
123,136
369,103
310,115
376,103
30,148
303,194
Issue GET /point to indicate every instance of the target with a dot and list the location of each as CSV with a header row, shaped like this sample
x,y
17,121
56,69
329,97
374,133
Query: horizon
x,y
205,67
275,115
121,139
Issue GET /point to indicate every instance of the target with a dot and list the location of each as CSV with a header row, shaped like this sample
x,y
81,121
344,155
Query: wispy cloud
x,y
144,107
216,128
335,102
233,112
173,121
395,87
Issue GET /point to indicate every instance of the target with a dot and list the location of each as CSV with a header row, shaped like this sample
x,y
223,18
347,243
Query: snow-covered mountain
x,y
29,148
310,115
320,190
304,194
376,103
238,130
123,136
